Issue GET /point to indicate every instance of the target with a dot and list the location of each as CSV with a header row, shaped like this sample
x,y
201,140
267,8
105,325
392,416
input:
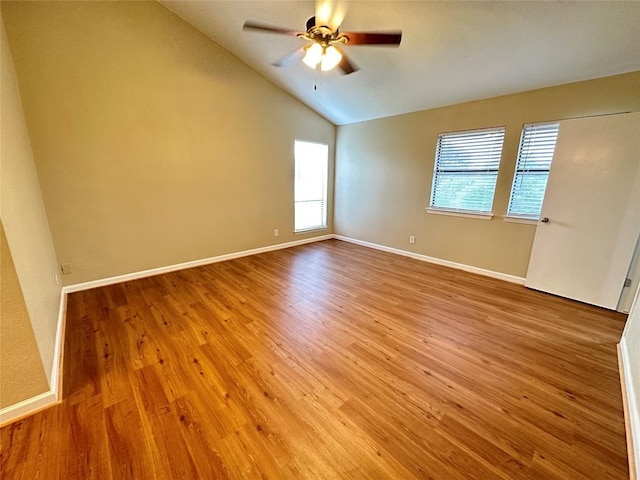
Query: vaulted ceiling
x,y
451,52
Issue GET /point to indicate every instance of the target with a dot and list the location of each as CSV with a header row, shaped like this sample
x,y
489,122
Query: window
x,y
310,202
537,145
466,170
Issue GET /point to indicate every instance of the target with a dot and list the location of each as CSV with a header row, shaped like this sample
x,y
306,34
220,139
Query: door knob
x,y
545,220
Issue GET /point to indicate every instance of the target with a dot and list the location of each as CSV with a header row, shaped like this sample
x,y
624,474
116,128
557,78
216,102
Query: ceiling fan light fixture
x,y
322,31
330,58
313,56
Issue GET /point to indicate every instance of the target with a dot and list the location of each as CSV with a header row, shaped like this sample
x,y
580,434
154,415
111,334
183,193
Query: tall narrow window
x,y
537,144
311,165
466,170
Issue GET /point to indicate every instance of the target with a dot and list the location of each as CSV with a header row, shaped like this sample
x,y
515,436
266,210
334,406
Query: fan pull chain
x,y
317,74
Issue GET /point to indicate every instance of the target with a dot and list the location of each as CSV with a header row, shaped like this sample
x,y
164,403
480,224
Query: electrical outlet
x,y
66,268
412,239
275,232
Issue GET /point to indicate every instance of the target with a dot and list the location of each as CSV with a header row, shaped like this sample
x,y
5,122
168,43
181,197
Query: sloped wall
x,y
30,297
154,145
21,372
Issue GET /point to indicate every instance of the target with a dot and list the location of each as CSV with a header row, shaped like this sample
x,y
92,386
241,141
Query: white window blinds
x,y
537,145
310,189
466,170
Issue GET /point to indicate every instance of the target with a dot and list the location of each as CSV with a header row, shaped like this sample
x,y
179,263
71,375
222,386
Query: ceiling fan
x,y
322,31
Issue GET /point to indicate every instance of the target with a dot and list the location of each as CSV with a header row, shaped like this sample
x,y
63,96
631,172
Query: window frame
x,y
521,171
493,171
325,188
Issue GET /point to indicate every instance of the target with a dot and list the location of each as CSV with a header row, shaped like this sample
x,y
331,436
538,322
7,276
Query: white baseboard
x,y
437,261
27,407
195,263
55,382
44,400
631,410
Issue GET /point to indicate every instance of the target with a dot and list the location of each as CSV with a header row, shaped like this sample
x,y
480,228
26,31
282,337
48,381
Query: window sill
x,y
456,213
526,221
310,230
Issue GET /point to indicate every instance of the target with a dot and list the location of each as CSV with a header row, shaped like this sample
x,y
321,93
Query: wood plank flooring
x,y
328,361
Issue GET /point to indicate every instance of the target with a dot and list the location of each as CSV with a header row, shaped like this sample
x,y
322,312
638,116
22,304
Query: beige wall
x,y
21,372
154,145
384,171
29,242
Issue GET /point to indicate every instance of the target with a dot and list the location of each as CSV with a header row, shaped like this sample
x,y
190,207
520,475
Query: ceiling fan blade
x,y
250,25
330,13
346,66
289,58
373,38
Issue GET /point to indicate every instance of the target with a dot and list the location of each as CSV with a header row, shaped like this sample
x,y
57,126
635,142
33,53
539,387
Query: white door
x,y
592,204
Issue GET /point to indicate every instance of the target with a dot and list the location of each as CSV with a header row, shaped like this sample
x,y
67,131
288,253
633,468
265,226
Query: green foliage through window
x,y
466,170
537,145
310,187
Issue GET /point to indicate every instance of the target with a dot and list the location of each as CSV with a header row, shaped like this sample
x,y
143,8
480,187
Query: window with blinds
x,y
310,189
466,170
537,145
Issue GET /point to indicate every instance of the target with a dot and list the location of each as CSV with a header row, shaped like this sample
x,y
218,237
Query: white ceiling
x,y
451,52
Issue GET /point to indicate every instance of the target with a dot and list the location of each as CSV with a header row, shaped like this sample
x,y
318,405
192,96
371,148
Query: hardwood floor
x,y
328,361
